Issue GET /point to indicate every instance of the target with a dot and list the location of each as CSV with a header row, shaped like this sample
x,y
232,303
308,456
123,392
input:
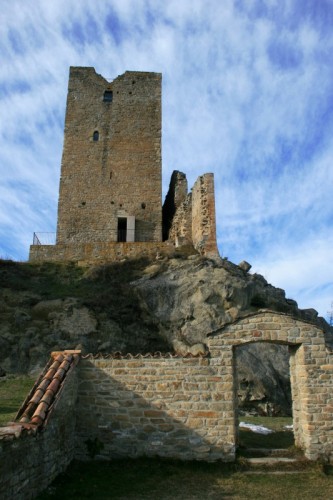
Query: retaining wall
x,y
97,252
32,458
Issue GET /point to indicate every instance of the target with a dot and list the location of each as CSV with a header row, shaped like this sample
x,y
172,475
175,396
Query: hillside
x,y
141,306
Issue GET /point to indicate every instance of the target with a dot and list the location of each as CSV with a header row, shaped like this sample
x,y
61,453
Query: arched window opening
x,y
96,136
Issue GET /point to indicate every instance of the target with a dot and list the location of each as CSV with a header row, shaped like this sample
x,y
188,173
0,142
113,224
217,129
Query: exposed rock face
x,y
264,379
142,306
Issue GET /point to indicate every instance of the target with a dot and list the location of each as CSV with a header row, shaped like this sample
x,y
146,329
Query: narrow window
x,y
122,229
108,96
96,136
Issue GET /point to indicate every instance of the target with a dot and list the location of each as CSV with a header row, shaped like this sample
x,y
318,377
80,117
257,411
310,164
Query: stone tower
x,y
110,185
110,205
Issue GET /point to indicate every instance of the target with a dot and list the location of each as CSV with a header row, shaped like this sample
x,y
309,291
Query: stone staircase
x,y
276,461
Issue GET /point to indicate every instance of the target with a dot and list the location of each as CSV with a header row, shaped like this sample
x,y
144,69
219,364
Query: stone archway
x,y
311,374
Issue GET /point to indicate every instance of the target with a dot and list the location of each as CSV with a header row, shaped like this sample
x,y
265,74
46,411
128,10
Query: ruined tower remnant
x,y
110,193
110,186
189,218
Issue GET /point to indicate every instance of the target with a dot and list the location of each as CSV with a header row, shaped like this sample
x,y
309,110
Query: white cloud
x,y
246,95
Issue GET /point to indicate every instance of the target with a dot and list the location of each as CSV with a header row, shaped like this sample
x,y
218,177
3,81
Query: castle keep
x,y
110,186
110,197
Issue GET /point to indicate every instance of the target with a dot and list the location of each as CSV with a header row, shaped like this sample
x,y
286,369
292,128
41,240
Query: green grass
x,y
13,392
275,423
280,438
156,478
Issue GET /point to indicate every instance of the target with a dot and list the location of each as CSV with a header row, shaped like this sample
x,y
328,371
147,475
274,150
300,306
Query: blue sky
x,y
247,94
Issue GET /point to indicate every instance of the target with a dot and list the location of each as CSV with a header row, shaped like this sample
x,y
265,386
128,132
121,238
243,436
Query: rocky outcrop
x,y
263,379
139,306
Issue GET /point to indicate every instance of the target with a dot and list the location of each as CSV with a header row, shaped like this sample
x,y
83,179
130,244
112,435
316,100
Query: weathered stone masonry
x,y
30,457
171,406
187,408
111,177
311,373
111,164
189,218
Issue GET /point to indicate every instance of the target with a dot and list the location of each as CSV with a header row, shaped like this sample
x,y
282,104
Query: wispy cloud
x,y
247,94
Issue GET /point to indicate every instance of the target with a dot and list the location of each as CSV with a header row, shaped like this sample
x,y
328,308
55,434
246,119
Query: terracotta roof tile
x,y
50,374
48,396
37,396
54,385
14,430
157,354
60,374
36,409
44,384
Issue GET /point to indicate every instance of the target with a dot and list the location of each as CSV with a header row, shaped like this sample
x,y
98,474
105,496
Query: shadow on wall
x,y
179,420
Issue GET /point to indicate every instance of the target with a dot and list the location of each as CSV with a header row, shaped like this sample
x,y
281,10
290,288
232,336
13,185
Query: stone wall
x,y
189,218
181,229
203,216
31,460
97,252
175,221
311,373
111,163
187,407
171,407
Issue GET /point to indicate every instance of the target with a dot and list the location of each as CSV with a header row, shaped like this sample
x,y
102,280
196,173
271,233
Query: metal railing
x,y
44,239
117,236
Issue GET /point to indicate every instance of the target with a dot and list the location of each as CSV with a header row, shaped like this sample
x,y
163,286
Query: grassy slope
x,y
54,281
105,290
13,392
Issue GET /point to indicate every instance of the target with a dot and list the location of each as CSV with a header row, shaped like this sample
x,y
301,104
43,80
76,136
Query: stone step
x,y
270,460
275,472
268,452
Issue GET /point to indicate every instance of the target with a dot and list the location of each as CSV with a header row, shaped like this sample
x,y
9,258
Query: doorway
x,y
263,400
122,229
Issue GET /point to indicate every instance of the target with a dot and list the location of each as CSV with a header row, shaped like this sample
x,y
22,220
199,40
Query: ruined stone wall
x,y
30,461
311,374
181,229
97,252
203,216
171,407
111,164
176,195
190,218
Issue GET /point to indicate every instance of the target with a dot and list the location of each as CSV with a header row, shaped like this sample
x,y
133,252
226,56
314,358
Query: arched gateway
x,y
311,374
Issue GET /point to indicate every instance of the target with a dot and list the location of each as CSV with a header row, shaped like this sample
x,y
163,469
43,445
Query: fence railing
x,y
121,235
44,239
